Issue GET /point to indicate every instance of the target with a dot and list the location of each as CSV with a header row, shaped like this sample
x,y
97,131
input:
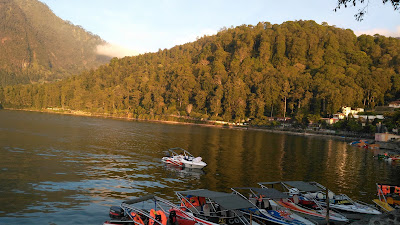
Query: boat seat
x,y
253,200
320,195
224,213
207,210
331,195
296,199
267,206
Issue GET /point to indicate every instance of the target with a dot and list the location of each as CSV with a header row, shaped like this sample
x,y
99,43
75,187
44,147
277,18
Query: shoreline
x,y
303,132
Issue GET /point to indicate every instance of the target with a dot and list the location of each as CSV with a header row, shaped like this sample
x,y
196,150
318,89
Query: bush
x,y
205,116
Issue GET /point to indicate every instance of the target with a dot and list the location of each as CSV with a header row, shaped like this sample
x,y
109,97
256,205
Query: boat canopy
x,y
139,199
303,186
270,193
270,183
227,201
266,192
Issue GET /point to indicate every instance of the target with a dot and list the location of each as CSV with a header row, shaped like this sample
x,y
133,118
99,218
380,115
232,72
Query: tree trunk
x,y
284,109
272,109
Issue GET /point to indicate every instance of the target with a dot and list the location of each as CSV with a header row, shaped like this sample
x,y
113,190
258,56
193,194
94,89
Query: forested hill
x,y
37,46
293,69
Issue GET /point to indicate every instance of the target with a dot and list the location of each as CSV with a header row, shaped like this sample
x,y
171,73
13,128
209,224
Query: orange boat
x,y
163,213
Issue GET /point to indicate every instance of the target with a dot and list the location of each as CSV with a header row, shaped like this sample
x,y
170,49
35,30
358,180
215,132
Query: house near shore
x,y
347,111
369,117
394,104
384,137
282,119
339,116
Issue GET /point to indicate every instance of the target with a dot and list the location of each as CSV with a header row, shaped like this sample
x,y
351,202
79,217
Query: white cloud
x,y
384,32
114,50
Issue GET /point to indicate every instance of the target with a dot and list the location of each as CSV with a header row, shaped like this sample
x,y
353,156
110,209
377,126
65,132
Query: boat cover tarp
x,y
303,186
227,201
270,193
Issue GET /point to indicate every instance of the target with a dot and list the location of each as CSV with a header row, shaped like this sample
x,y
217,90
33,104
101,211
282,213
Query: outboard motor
x,y
116,212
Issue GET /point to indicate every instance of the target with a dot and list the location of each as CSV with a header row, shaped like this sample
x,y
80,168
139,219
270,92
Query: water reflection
x,y
54,167
181,172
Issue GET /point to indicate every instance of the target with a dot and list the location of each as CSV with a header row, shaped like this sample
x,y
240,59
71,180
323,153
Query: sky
x,y
140,26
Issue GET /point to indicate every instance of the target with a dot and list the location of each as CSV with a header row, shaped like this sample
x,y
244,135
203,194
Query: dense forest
x,y
37,46
295,69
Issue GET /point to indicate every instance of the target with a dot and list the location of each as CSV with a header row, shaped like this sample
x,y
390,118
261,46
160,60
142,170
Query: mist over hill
x,y
38,46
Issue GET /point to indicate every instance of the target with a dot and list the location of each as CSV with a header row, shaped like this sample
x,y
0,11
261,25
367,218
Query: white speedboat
x,y
353,210
266,209
304,207
181,157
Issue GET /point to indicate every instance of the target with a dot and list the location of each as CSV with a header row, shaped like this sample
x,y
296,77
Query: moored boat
x,y
388,157
365,144
353,210
181,157
266,209
388,197
148,210
308,208
215,207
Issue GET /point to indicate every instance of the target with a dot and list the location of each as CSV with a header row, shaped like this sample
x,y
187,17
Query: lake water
x,y
63,169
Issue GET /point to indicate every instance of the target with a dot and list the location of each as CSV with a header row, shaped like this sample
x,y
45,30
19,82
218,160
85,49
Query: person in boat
x,y
260,202
172,219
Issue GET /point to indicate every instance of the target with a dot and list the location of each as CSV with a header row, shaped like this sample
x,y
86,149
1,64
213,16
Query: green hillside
x,y
291,69
37,46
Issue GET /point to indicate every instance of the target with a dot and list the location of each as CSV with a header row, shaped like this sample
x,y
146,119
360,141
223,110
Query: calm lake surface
x,y
62,169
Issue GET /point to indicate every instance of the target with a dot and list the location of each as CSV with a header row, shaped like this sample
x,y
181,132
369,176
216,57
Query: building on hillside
x,y
369,117
282,119
386,137
347,111
394,104
339,116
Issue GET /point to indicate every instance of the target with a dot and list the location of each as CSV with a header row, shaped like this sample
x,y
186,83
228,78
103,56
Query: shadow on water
x,y
58,167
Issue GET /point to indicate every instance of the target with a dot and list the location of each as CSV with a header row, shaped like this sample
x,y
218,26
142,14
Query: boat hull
x,y
353,216
193,166
171,161
383,205
279,217
313,215
187,163
354,212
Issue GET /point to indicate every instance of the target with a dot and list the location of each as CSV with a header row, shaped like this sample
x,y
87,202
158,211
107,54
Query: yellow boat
x,y
389,197
383,205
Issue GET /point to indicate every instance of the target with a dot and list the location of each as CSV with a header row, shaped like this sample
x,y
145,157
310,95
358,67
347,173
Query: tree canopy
x,y
292,69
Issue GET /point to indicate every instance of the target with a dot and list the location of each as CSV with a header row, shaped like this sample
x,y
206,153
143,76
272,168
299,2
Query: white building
x,y
369,117
394,104
347,111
